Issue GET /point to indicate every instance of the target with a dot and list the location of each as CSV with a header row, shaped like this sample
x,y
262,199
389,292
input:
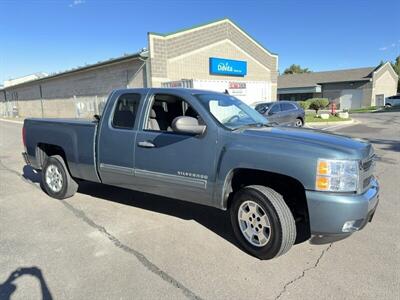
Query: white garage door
x,y
351,99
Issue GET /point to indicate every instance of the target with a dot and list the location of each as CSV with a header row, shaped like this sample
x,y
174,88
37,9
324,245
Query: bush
x,y
318,103
304,104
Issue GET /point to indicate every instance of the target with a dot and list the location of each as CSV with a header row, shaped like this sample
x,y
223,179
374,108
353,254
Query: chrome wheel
x,y
254,223
54,179
298,123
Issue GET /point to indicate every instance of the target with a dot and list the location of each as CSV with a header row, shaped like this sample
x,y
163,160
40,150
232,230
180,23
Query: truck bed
x,y
76,137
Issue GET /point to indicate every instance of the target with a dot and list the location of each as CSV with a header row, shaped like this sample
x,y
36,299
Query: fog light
x,y
349,226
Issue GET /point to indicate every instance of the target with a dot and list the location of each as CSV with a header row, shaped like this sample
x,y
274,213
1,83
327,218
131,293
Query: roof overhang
x,y
300,90
143,55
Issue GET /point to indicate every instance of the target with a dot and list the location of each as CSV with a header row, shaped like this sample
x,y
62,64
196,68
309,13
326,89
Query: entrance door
x,y
351,98
380,100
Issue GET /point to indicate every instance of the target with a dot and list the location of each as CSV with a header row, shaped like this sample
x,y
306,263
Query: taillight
x,y
24,136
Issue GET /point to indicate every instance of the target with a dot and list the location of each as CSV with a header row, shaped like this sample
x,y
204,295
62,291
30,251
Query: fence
x,y
73,107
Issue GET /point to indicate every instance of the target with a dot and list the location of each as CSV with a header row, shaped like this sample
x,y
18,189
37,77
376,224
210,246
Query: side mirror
x,y
270,113
262,111
188,125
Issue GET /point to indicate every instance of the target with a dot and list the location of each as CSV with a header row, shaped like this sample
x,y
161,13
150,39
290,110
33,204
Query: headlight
x,y
337,175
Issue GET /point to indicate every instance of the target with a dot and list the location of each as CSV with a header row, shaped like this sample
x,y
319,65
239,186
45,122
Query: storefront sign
x,y
222,66
237,88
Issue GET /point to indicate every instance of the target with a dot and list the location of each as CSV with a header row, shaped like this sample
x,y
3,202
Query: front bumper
x,y
328,212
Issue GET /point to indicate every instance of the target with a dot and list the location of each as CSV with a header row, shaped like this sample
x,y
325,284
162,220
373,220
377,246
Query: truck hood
x,y
341,145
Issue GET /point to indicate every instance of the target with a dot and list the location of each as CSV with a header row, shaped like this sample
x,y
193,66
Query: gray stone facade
x,y
185,54
75,94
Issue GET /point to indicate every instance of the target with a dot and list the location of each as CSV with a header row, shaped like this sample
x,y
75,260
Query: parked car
x,y
392,101
210,148
282,112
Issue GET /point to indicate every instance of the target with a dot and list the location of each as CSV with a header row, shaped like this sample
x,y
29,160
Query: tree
x,y
318,103
304,104
296,69
396,67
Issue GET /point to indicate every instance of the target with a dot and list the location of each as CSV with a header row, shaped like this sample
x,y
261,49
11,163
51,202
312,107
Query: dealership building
x,y
217,56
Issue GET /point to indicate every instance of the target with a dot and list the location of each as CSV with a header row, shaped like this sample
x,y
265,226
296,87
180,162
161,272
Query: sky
x,y
52,36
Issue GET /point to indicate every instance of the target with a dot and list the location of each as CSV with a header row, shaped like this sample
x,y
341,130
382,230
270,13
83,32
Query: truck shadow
x,y
214,219
388,145
8,287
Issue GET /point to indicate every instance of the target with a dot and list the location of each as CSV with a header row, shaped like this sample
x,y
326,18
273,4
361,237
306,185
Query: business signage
x,y
222,66
237,88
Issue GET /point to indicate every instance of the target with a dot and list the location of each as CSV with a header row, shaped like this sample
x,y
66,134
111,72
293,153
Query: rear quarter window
x,y
125,111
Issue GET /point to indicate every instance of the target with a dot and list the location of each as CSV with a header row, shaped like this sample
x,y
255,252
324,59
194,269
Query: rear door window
x,y
287,106
125,111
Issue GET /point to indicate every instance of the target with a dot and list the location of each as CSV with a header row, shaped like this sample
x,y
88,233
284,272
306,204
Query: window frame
x,y
150,104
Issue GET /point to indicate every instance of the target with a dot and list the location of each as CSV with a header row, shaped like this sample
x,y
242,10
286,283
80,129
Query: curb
x,y
12,121
332,123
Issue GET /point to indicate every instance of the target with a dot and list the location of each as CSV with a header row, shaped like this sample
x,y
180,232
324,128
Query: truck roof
x,y
169,90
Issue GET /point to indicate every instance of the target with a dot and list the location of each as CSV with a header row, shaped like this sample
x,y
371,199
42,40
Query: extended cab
x,y
212,149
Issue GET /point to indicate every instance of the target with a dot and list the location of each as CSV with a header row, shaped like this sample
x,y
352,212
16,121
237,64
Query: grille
x,y
367,169
367,181
367,165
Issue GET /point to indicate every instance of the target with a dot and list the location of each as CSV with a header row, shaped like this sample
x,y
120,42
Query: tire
x,y
56,180
388,105
282,230
298,123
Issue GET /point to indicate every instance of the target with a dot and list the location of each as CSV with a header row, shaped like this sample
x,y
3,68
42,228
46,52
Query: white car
x,y
392,101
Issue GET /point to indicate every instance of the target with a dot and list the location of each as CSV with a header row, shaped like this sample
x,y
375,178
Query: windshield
x,y
230,111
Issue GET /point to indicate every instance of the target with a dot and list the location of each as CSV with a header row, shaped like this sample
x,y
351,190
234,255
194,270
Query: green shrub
x,y
304,104
318,103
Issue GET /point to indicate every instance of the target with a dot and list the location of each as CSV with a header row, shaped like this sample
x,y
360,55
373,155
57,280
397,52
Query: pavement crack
x,y
141,257
5,168
303,274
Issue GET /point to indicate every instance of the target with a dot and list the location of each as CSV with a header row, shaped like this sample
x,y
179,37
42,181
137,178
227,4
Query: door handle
x,y
146,144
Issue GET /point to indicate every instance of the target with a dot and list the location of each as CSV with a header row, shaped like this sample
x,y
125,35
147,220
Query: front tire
x,y
56,180
299,122
262,222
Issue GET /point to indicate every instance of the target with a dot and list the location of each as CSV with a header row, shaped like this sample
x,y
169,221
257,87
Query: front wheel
x,y
56,180
262,222
298,123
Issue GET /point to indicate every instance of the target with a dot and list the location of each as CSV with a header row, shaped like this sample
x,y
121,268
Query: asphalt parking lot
x,y
109,243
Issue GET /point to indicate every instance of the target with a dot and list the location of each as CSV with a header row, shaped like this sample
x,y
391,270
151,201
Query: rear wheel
x,y
56,180
298,123
262,222
388,106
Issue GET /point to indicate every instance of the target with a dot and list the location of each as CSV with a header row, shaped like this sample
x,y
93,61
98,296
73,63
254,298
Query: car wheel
x,y
298,123
56,180
262,222
388,106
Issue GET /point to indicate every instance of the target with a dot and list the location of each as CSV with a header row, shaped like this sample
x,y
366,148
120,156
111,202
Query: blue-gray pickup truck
x,y
210,148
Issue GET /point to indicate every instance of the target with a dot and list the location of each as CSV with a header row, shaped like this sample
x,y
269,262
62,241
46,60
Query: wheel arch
x,y
45,150
295,196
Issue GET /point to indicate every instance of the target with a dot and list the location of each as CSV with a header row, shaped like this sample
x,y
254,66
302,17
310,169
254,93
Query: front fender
x,y
298,165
